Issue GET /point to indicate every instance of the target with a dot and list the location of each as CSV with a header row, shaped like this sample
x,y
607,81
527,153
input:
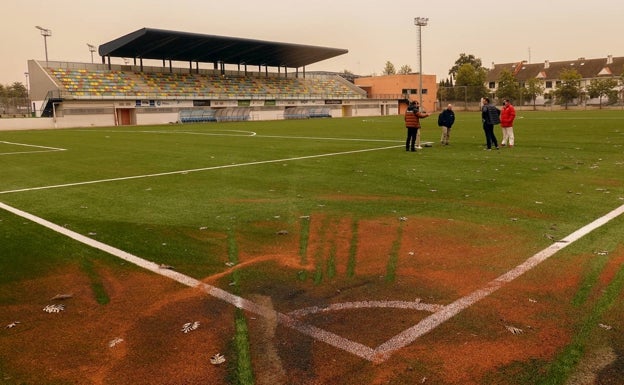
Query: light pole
x,y
420,22
91,49
45,33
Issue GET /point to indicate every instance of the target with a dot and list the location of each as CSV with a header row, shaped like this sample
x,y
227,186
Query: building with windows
x,y
549,73
401,87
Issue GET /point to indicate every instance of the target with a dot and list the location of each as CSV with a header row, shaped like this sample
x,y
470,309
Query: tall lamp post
x,y
91,49
45,33
420,22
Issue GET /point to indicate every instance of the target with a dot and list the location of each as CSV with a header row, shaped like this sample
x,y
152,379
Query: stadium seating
x,y
83,83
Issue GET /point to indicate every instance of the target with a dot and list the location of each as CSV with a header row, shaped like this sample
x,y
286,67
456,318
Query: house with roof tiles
x,y
549,73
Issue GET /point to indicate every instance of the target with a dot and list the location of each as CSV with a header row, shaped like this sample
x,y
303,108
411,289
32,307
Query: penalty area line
x,y
431,322
330,338
181,172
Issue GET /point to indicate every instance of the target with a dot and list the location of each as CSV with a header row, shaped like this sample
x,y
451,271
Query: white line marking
x,y
197,170
45,148
383,351
409,305
426,325
322,335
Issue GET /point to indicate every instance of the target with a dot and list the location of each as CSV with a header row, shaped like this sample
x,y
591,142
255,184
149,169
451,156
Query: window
x,y
409,91
549,84
492,85
423,91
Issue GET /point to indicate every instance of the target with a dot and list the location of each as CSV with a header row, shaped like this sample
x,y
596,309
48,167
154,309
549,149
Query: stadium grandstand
x,y
202,78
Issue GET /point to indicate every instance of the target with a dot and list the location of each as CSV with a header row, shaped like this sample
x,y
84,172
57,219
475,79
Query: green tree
x,y
534,88
473,79
569,88
464,59
405,69
599,88
389,69
508,87
17,90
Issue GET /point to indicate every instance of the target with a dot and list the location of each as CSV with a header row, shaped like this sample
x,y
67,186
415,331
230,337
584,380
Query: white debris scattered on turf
x,y
602,252
304,217
229,264
532,300
12,325
513,329
56,308
282,232
411,253
114,342
163,266
217,359
187,327
402,219
61,297
203,228
605,327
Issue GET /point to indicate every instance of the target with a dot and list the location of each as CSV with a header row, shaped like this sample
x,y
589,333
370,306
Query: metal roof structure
x,y
149,43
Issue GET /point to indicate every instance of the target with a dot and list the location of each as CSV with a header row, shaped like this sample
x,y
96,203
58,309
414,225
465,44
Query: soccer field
x,y
313,252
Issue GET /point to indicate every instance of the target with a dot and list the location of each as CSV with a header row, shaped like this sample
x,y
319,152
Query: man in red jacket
x,y
508,114
412,123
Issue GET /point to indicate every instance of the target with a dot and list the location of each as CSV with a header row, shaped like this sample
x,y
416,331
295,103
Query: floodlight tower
x,y
420,22
91,49
45,33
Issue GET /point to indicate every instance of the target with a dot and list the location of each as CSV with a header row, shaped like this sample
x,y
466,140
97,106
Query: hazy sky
x,y
374,31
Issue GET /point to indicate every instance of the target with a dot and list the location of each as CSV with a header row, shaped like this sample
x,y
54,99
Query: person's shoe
x,y
497,148
413,150
418,147
503,144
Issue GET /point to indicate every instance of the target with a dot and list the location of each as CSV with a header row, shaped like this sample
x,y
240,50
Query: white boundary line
x,y
198,170
312,331
46,149
431,322
383,351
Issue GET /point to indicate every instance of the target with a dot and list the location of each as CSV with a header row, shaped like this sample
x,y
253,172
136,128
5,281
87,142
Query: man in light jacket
x,y
508,114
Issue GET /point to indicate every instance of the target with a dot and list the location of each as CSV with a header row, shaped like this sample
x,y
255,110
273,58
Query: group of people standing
x,y
490,116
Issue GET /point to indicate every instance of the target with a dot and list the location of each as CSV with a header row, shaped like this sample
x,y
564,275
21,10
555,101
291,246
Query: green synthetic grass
x,y
219,183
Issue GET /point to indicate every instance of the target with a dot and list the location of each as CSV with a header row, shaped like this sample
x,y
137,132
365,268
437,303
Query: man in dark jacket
x,y
445,122
490,115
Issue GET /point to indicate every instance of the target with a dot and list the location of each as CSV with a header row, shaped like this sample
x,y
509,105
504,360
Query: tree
x,y
464,59
569,88
17,90
534,88
598,88
473,79
389,69
508,87
405,69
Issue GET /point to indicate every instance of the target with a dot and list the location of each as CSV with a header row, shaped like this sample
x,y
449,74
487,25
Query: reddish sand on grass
x,y
137,337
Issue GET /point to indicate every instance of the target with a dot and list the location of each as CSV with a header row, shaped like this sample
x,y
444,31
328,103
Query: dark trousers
x,y
410,142
490,138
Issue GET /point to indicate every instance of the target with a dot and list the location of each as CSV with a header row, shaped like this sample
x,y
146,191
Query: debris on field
x,y
56,308
114,342
187,327
513,329
61,297
217,359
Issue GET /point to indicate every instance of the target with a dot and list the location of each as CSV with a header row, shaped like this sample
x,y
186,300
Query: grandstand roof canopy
x,y
149,43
